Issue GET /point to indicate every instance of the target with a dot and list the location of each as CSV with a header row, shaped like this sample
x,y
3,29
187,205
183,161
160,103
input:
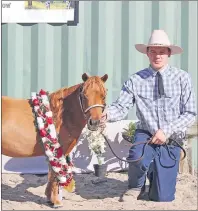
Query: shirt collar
x,y
163,70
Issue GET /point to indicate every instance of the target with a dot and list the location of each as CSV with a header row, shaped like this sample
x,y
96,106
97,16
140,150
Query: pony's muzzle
x,y
93,124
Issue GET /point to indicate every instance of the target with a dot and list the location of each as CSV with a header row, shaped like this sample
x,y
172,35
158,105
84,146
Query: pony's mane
x,y
56,103
56,98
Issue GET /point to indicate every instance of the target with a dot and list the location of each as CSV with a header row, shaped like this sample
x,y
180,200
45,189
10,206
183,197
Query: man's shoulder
x,y
140,75
178,72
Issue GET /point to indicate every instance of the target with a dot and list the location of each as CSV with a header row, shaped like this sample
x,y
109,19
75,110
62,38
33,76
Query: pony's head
x,y
92,99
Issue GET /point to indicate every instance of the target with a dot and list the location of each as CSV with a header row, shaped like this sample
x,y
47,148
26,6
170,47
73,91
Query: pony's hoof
x,y
49,202
56,206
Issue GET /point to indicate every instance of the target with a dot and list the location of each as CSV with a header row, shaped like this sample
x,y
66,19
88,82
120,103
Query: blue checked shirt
x,y
173,112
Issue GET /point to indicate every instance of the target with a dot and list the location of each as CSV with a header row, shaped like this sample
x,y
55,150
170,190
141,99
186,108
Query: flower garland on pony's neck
x,y
60,164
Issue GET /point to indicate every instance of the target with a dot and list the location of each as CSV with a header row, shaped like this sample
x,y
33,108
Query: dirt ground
x,y
26,192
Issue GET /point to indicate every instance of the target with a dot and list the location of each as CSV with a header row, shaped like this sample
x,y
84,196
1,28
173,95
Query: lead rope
x,y
170,153
145,145
135,144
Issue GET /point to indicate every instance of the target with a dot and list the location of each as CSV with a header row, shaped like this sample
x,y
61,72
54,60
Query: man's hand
x,y
159,138
103,119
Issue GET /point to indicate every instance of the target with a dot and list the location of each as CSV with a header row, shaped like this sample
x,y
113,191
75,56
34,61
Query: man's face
x,y
158,56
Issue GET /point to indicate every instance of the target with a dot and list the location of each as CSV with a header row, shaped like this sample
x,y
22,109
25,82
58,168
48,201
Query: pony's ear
x,y
104,77
85,77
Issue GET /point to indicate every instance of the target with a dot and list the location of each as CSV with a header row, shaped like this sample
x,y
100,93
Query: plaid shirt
x,y
173,112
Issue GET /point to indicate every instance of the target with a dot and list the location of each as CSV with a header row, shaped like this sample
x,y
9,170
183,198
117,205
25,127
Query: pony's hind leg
x,y
52,190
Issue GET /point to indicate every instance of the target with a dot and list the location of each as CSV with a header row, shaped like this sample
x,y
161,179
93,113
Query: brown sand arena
x,y
26,192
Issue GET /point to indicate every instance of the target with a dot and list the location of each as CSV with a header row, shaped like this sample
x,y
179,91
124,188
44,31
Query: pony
x,y
72,109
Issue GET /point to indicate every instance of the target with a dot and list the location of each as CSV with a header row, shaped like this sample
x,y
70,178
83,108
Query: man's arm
x,y
188,114
119,109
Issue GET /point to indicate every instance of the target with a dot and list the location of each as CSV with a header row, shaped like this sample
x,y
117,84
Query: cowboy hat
x,y
159,38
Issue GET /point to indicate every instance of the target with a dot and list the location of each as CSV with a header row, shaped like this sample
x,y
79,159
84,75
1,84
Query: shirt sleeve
x,y
188,111
118,110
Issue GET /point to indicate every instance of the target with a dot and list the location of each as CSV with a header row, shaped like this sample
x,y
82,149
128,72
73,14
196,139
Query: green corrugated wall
x,y
51,56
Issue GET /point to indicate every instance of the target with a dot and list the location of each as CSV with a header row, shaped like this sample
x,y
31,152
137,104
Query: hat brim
x,y
143,48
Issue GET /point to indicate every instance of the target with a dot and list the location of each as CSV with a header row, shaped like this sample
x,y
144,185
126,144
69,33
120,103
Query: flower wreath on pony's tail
x,y
61,165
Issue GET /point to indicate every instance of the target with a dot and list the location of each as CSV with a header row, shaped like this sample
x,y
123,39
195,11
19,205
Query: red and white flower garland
x,y
60,164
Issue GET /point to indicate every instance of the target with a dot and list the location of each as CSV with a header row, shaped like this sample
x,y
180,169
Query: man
x,y
165,104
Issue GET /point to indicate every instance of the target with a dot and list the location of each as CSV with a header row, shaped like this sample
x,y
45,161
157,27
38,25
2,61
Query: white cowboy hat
x,y
159,38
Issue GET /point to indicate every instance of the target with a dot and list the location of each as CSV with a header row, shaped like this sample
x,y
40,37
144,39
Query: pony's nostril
x,y
90,122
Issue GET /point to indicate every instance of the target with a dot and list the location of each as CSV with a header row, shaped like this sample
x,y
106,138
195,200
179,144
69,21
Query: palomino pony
x,y
72,109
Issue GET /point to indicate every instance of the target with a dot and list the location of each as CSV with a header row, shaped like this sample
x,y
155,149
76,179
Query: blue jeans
x,y
162,174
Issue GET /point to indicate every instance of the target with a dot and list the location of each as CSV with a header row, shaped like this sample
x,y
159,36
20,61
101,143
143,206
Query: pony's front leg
x,y
52,190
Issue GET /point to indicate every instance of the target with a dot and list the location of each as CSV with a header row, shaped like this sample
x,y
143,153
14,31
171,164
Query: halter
x,y
81,99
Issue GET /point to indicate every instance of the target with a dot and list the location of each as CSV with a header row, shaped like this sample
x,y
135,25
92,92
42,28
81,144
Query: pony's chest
x,y
65,135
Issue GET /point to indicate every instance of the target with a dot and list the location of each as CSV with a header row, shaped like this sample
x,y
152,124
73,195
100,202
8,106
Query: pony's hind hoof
x,y
49,202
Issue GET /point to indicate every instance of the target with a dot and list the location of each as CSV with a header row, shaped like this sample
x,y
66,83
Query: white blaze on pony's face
x,y
94,93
